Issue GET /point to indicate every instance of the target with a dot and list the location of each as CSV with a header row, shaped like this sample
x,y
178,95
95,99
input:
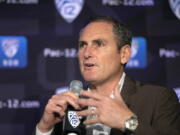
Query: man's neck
x,y
107,87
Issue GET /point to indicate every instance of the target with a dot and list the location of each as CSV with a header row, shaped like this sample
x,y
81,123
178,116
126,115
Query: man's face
x,y
99,58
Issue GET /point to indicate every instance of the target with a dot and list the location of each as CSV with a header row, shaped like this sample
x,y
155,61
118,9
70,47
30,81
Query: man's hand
x,y
111,112
55,110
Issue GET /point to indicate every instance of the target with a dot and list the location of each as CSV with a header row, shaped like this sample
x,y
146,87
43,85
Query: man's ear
x,y
125,53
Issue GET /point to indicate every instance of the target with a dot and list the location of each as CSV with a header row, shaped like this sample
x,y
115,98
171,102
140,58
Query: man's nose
x,y
88,52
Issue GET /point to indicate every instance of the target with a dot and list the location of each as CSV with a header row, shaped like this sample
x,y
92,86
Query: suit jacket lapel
x,y
129,88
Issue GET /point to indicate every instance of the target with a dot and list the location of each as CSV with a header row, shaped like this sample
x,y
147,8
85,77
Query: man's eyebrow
x,y
94,40
99,39
81,41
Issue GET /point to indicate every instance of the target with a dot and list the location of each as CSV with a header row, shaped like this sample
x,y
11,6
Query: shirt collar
x,y
120,83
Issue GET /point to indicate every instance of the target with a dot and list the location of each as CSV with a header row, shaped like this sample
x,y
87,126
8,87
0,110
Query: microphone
x,y
76,87
72,124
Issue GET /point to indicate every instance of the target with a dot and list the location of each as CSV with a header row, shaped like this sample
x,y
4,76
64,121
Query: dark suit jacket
x,y
157,108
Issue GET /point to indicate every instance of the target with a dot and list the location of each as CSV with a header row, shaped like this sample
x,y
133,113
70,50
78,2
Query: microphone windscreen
x,y
76,86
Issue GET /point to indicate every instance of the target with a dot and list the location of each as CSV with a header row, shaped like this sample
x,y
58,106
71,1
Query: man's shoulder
x,y
148,88
153,89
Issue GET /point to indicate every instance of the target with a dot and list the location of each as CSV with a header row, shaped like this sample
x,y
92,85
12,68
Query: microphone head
x,y
76,86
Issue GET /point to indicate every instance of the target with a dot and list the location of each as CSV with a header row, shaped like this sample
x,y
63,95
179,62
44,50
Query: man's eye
x,y
99,43
81,45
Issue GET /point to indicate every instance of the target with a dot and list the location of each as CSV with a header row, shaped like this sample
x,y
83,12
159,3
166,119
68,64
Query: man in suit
x,y
118,104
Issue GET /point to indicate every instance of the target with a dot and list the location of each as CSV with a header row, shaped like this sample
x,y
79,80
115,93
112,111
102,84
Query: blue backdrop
x,y
38,50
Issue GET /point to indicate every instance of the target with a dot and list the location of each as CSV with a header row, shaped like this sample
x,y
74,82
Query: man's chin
x,y
89,79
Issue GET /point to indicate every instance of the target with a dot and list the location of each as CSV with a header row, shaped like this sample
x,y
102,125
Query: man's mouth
x,y
88,65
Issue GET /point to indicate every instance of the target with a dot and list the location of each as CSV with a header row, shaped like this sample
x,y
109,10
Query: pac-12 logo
x,y
10,47
69,9
138,53
73,118
175,6
13,52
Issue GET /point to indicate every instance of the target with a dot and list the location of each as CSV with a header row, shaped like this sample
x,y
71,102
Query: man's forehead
x,y
96,29
98,24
